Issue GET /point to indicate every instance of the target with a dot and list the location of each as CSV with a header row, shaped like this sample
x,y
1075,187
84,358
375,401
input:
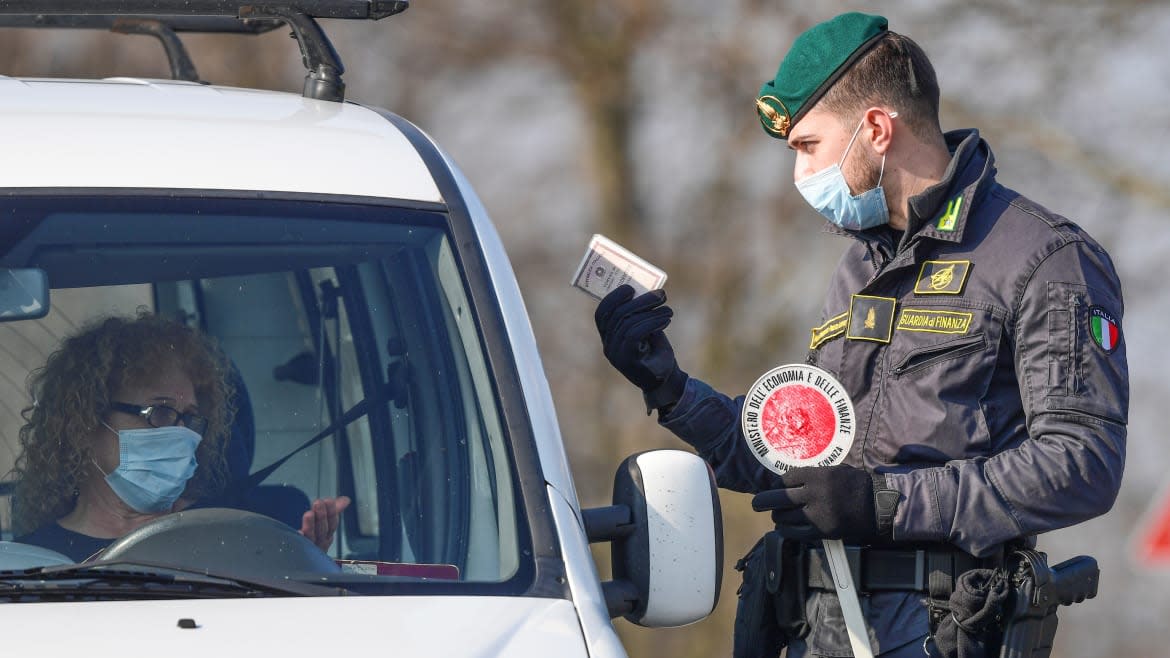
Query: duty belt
x,y
886,569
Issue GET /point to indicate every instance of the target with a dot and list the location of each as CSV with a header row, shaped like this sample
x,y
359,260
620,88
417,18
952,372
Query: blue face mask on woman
x,y
828,193
154,465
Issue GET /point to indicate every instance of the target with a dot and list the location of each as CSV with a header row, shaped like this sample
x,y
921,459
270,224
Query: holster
x,y
1012,608
770,611
1037,591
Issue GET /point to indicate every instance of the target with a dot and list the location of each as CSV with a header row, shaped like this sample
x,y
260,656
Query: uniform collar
x,y
940,211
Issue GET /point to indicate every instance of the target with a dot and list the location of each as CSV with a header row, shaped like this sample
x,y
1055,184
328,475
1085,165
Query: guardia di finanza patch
x,y
934,321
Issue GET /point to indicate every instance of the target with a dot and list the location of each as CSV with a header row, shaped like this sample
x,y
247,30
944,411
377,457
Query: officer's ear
x,y
878,127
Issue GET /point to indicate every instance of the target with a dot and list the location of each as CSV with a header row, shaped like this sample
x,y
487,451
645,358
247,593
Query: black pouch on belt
x,y
789,586
757,635
975,623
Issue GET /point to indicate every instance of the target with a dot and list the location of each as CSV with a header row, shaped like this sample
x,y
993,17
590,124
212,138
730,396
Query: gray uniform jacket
x,y
984,358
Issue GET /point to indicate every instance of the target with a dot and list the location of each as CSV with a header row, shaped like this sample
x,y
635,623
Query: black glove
x,y
831,502
633,340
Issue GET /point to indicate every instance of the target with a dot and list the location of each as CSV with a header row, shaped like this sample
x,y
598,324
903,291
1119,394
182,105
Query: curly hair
x,y
71,394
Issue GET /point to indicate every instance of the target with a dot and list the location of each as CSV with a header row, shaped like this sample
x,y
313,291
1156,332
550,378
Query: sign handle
x,y
801,387
847,594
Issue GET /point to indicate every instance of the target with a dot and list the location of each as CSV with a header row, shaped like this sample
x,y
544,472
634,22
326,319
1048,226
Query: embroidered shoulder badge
x,y
942,277
833,327
1104,329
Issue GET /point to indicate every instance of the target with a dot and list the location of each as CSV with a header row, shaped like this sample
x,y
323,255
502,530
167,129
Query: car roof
x,y
166,134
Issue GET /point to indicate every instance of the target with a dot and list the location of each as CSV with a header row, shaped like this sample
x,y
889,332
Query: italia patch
x,y
942,277
934,321
871,318
833,327
1104,328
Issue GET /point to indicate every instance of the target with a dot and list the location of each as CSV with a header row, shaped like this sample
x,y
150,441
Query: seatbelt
x,y
383,394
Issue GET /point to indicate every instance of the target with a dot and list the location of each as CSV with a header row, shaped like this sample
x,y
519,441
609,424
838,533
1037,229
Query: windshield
x,y
342,342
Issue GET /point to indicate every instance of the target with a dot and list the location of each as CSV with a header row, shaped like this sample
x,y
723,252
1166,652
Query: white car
x,y
380,348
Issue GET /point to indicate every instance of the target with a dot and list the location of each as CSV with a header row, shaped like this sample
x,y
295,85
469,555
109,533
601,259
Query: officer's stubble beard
x,y
867,173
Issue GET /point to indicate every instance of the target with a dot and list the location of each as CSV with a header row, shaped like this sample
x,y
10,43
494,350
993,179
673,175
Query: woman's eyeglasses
x,y
160,415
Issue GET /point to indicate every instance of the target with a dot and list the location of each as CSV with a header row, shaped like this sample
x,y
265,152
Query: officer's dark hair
x,y
895,73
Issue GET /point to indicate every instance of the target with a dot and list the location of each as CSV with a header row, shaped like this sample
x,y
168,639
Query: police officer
x,y
977,333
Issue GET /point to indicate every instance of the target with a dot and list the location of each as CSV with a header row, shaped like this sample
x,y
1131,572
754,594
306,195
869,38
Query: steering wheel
x,y
222,540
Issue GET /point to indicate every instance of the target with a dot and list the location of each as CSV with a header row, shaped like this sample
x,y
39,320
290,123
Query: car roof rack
x,y
164,19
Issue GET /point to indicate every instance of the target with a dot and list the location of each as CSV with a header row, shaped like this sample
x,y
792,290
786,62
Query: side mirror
x,y
666,530
24,294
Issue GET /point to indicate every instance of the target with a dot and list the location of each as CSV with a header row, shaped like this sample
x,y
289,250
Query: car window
x,y
319,308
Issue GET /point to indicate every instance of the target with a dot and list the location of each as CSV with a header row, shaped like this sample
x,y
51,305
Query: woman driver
x,y
129,422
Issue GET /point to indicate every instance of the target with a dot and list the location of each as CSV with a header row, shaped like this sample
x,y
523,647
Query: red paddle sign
x,y
798,415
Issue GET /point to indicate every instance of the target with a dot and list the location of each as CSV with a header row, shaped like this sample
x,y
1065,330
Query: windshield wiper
x,y
137,581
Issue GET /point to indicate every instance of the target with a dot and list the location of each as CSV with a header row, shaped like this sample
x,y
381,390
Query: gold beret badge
x,y
771,118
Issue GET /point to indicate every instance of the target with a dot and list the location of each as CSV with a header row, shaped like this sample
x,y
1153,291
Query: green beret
x,y
817,59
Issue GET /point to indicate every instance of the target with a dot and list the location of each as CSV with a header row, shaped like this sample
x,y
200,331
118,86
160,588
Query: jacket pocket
x,y
929,355
932,399
1087,371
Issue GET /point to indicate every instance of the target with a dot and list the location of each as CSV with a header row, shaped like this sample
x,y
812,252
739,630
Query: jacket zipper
x,y
914,360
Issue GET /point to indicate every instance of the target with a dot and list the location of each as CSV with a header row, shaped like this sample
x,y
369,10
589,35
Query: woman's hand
x,y
320,522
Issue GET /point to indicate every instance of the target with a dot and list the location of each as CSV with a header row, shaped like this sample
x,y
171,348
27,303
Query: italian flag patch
x,y
1104,329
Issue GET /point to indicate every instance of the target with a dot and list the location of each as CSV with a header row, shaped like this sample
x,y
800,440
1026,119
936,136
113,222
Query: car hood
x,y
454,627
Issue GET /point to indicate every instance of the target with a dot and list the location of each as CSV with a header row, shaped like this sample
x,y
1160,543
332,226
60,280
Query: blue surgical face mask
x,y
154,465
828,193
